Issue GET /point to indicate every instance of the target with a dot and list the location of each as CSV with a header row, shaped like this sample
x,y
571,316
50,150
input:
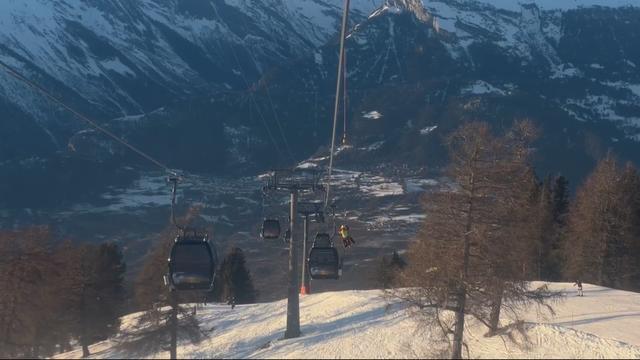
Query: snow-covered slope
x,y
605,323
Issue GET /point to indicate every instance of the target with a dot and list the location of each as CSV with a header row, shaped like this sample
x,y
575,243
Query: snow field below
x,y
605,323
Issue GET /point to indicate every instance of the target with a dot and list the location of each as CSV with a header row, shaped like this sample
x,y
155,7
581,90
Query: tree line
x,y
52,295
165,319
498,226
57,295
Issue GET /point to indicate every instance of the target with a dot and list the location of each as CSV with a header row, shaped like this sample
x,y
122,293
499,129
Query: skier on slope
x,y
347,240
232,301
579,284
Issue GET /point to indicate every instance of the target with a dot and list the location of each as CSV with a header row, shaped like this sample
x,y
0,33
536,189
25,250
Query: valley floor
x,y
605,323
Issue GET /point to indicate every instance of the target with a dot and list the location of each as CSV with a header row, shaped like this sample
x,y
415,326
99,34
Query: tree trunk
x,y
293,300
173,326
458,331
85,349
496,306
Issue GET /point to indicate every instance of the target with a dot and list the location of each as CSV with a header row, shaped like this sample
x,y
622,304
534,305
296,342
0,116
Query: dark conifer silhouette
x,y
235,280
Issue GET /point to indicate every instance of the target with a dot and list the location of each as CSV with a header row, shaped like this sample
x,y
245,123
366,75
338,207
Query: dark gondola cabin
x,y
324,263
192,264
322,240
270,229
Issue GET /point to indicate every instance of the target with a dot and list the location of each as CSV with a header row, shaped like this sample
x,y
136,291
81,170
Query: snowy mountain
x,y
571,68
115,58
239,78
362,324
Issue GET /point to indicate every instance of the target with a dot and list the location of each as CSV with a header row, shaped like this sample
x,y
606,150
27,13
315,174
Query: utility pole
x,y
307,209
293,303
173,325
295,182
305,289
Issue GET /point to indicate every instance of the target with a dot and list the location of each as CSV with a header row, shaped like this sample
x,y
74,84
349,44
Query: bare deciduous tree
x,y
604,228
477,241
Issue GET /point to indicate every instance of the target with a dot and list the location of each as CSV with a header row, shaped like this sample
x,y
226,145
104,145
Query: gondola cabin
x,y
322,240
192,264
324,263
270,229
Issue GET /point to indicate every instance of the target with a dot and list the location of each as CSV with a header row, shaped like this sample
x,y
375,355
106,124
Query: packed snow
x,y
605,323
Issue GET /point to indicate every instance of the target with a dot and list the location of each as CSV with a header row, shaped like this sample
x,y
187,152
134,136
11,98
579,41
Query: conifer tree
x,y
235,280
560,200
552,198
388,269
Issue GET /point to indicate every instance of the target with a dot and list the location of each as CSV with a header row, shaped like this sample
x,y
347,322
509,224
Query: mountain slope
x,y
361,324
251,83
113,58
571,71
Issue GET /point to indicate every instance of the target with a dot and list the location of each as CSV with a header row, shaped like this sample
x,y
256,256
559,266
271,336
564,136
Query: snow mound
x,y
605,323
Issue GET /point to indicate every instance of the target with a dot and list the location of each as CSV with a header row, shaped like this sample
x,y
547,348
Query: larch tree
x,y
603,227
24,263
95,276
476,243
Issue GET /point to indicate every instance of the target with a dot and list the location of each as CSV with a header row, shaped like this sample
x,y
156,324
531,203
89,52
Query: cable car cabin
x,y
270,229
324,263
322,240
192,264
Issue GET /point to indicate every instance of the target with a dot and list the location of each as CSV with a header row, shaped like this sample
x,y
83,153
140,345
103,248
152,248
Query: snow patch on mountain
x,y
374,114
481,87
564,5
565,71
428,130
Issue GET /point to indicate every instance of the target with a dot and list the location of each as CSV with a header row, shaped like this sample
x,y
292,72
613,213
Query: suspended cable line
x,y
344,97
15,74
273,108
258,110
337,101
